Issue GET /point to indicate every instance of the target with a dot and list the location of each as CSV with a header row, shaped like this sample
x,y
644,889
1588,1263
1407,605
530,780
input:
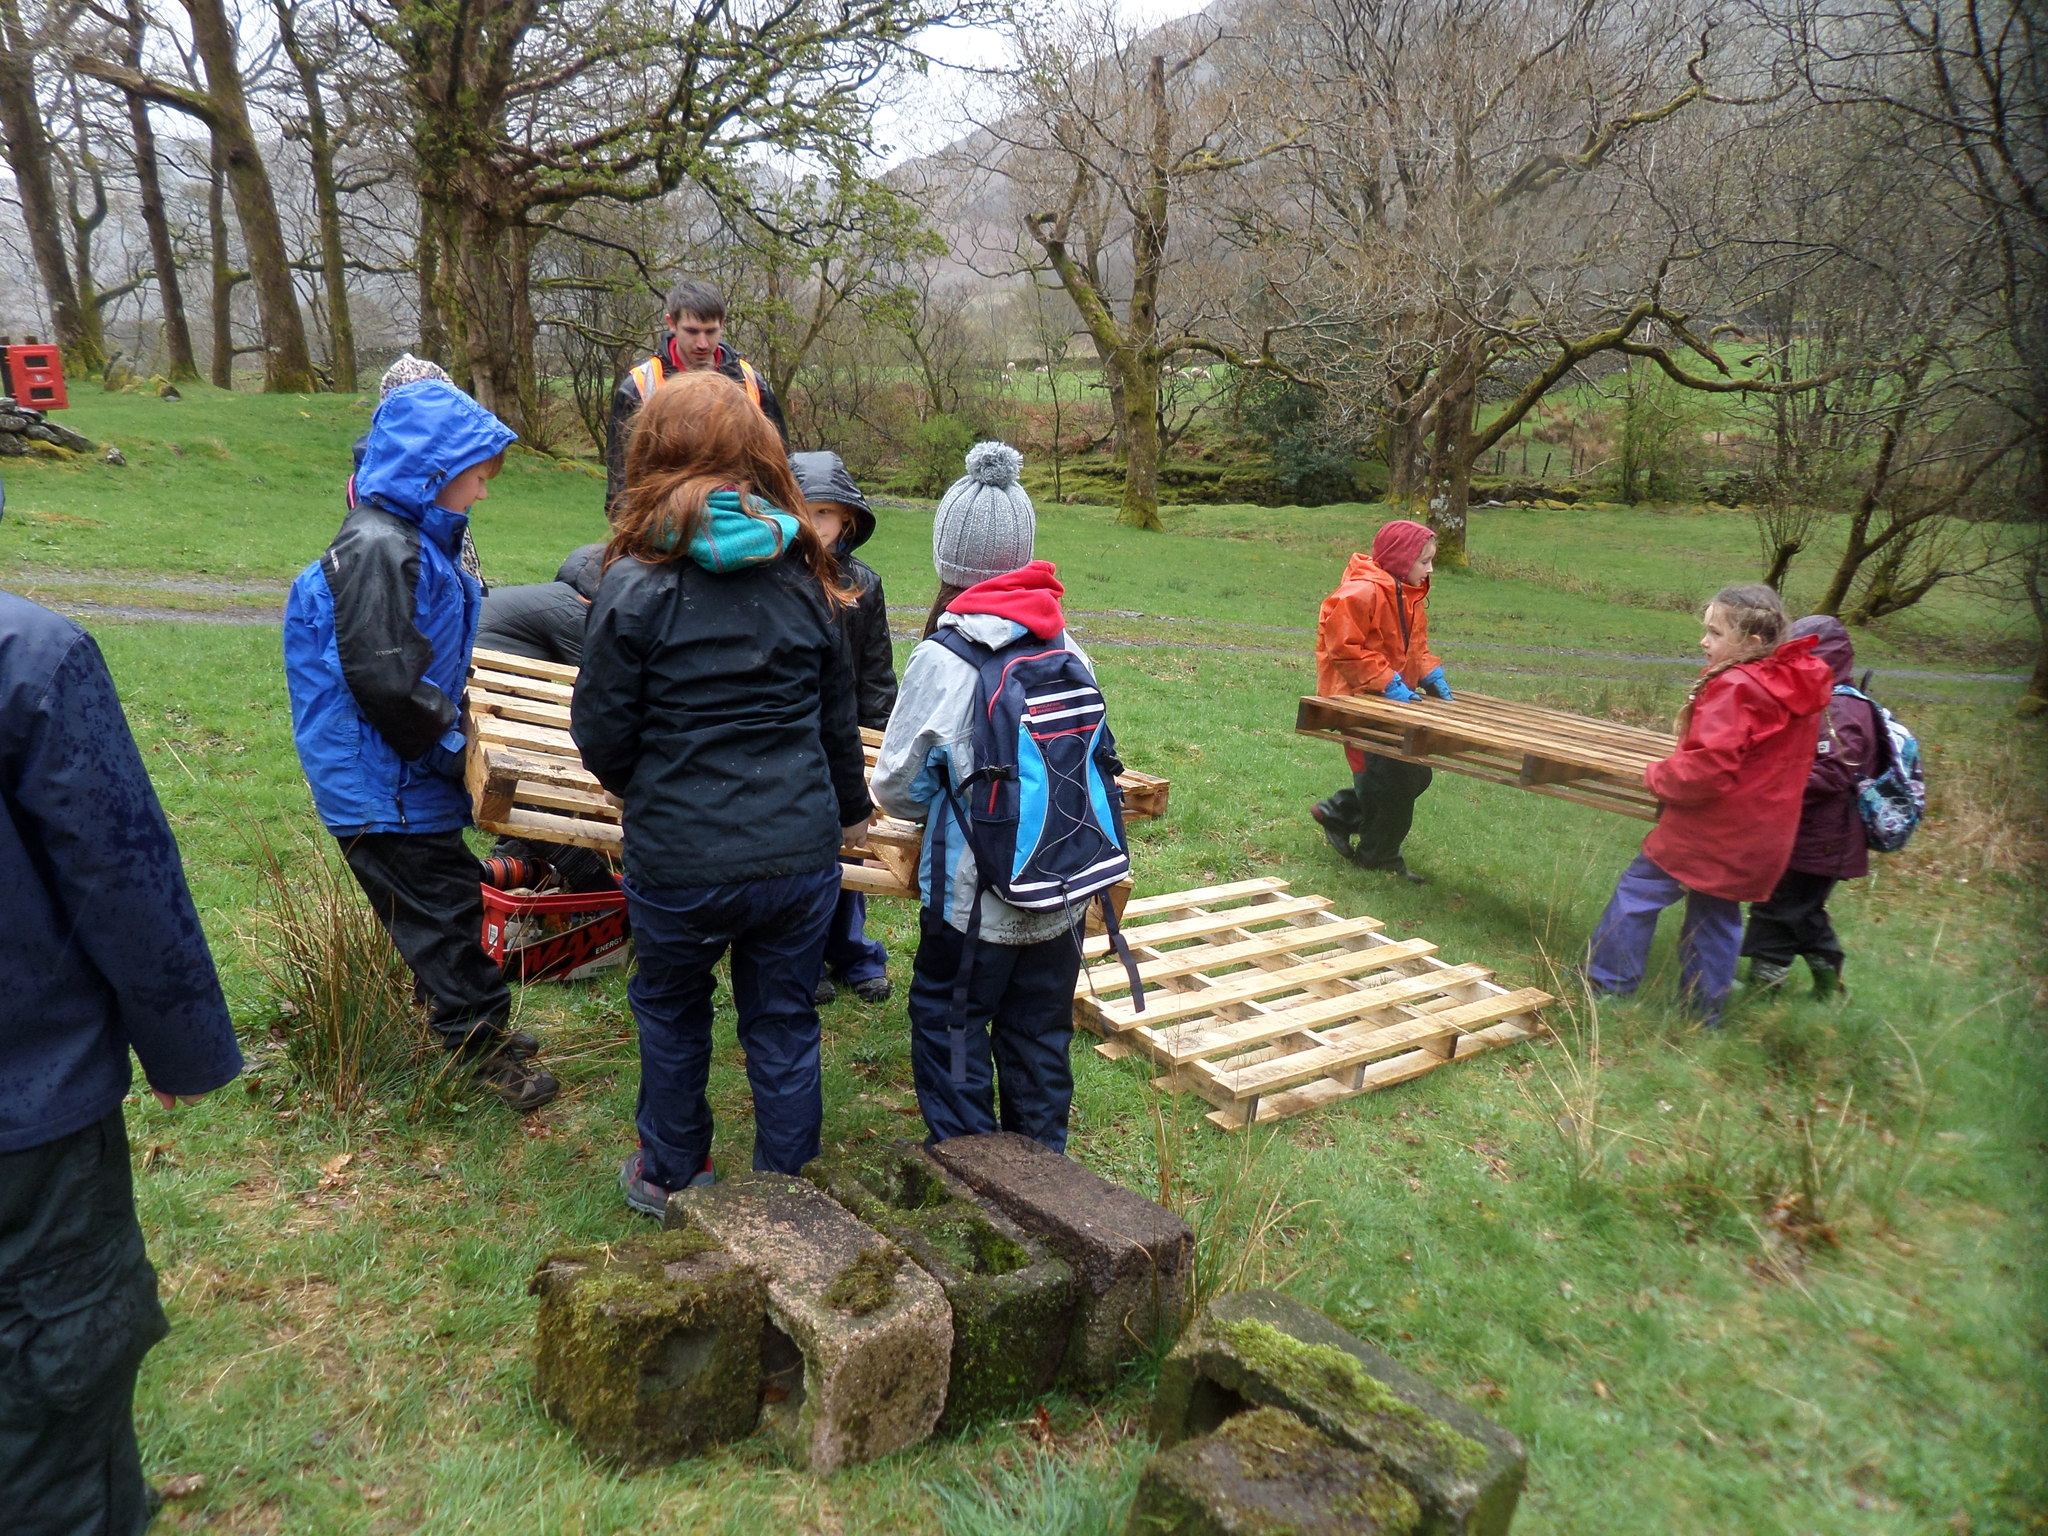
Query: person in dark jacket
x,y
544,620
845,521
716,702
1830,845
693,341
377,638
101,953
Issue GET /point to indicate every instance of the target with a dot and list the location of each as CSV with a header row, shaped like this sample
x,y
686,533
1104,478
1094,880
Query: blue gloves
x,y
1400,692
1437,684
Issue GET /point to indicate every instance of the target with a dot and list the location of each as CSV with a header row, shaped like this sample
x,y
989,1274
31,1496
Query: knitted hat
x,y
985,526
1398,545
410,370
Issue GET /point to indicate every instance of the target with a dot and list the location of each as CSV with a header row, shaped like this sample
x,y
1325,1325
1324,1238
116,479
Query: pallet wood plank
x,y
1246,985
1206,957
1203,922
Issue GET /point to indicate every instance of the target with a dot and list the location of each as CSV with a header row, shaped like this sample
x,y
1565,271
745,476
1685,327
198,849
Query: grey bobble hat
x,y
410,370
986,526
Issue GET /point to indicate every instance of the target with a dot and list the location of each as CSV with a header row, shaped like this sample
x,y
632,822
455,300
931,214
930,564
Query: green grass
x,y
1578,1238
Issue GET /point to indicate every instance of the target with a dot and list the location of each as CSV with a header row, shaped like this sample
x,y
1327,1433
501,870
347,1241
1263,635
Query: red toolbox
x,y
35,375
562,937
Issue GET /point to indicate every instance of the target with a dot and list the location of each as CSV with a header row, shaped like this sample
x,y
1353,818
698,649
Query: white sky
x,y
928,115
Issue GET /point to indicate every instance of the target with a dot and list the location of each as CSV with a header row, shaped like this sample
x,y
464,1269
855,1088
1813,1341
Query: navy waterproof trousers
x,y
78,1310
850,955
775,930
1020,1022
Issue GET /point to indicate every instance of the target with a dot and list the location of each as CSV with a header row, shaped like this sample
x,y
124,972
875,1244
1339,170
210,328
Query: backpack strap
x,y
1122,946
963,975
647,377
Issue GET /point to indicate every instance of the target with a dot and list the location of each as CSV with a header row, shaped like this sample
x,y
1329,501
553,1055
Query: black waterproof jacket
x,y
719,707
626,401
544,621
822,476
100,945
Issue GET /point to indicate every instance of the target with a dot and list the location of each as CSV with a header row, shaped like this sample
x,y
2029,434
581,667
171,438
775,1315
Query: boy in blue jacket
x,y
377,639
100,953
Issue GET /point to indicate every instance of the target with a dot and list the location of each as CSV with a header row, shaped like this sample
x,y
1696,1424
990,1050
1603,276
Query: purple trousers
x,y
1708,943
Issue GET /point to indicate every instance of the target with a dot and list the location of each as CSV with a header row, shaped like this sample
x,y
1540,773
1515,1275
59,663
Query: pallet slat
x,y
1546,751
1267,1004
526,778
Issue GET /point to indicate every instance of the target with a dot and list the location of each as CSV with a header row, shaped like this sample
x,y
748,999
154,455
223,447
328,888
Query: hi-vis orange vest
x,y
647,379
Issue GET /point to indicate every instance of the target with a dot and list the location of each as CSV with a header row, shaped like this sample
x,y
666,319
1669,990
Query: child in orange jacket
x,y
1373,637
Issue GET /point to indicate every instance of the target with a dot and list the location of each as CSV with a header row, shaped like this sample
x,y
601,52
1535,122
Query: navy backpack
x,y
1042,811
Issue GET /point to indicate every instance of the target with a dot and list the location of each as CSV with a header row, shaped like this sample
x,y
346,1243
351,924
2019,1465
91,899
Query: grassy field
x,y
1785,1279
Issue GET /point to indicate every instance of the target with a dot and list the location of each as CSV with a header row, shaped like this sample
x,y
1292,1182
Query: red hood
x,y
1794,676
1029,596
1365,568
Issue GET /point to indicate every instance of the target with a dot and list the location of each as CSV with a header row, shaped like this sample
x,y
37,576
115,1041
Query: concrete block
x,y
1013,1302
1131,1257
1264,1473
650,1350
858,1339
1258,1348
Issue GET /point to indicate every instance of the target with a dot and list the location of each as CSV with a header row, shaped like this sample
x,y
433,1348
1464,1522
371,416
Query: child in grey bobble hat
x,y
986,526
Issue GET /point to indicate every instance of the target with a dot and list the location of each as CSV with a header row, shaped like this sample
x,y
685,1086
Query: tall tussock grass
x,y
345,1014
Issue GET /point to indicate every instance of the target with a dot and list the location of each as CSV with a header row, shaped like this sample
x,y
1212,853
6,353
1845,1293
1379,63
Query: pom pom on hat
x,y
994,464
986,525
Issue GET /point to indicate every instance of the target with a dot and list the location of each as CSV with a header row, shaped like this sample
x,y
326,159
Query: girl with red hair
x,y
1373,637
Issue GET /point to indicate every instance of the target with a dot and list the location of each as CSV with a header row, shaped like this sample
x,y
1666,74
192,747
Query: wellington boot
x,y
1827,982
1766,978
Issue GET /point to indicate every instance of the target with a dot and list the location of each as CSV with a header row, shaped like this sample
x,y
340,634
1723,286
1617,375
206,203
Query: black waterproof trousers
x,y
78,1311
1794,923
1020,1029
1379,807
423,886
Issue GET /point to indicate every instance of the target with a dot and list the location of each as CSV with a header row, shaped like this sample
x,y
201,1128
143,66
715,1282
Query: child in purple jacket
x,y
1830,845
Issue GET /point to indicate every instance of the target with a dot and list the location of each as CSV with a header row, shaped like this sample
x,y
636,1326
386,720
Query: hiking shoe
x,y
647,1197
1397,866
1766,977
874,990
828,991
518,1084
1333,834
1827,981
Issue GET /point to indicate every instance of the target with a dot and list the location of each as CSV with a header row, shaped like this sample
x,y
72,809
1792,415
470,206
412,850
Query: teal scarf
x,y
731,539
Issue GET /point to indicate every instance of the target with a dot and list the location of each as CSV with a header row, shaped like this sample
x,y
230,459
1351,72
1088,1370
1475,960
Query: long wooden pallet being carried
x,y
526,778
1570,757
1268,1004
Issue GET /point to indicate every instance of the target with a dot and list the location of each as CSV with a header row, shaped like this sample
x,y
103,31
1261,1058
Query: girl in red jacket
x,y
1728,802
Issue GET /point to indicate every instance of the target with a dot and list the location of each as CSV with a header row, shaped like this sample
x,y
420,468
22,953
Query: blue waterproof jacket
x,y
100,946
378,631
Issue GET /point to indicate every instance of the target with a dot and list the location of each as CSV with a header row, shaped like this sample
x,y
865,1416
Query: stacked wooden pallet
x,y
1268,1004
1570,757
526,779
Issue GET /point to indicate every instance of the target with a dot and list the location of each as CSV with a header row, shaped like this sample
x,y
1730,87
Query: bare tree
x,y
313,51
223,107
23,38
180,362
1109,136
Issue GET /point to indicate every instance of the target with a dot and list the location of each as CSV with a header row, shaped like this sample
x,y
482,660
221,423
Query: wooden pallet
x,y
526,778
1268,1004
1566,756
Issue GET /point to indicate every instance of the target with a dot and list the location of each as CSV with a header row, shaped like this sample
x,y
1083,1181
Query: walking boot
x,y
1396,866
1827,981
1766,978
1333,832
519,1085
874,990
828,991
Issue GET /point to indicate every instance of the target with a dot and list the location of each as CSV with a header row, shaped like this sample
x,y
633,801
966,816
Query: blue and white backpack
x,y
1042,811
1892,803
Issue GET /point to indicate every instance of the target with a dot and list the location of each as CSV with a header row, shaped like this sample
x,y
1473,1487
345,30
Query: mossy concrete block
x,y
1013,1302
858,1341
1266,1473
650,1350
1130,1256
1258,1348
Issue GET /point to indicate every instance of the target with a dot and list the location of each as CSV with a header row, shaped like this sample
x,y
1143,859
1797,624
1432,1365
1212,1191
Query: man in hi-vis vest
x,y
695,319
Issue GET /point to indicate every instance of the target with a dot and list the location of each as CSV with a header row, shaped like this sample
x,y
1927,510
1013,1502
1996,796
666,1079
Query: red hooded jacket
x,y
1730,795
